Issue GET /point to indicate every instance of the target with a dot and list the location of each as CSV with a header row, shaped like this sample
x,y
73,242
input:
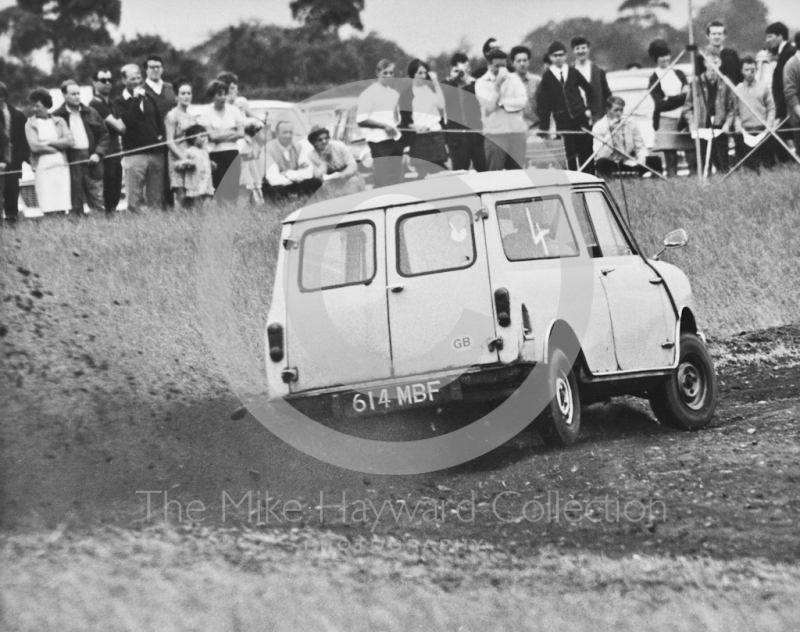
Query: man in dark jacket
x,y
13,123
112,162
145,166
463,113
778,44
560,96
595,75
86,155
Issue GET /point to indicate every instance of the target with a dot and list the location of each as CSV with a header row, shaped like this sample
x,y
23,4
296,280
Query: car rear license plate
x,y
397,397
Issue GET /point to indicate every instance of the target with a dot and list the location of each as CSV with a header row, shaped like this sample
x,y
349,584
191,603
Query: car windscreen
x,y
337,256
535,229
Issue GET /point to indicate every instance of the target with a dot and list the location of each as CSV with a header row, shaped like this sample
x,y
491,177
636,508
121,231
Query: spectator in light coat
x,y
617,142
502,97
754,98
289,170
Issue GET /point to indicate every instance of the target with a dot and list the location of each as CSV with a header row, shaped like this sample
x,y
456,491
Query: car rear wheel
x,y
560,423
688,398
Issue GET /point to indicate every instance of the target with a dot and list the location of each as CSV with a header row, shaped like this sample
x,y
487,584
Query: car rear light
x,y
502,302
275,340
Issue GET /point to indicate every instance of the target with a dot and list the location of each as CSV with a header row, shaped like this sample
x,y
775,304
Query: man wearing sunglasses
x,y
112,166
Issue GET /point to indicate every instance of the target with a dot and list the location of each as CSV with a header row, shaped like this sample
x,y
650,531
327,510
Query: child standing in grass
x,y
198,166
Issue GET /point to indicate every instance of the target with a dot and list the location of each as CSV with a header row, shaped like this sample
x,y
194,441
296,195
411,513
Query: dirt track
x,y
81,436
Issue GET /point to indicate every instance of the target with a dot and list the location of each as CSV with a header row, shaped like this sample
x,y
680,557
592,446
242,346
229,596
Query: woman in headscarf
x,y
669,96
421,106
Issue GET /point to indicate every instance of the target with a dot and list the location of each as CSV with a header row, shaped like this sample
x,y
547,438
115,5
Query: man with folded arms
x,y
754,96
86,155
112,166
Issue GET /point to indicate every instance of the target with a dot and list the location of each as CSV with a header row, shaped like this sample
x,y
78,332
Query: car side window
x,y
535,229
435,241
602,232
337,256
585,224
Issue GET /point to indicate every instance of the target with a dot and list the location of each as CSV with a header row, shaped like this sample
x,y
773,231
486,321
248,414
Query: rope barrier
x,y
129,152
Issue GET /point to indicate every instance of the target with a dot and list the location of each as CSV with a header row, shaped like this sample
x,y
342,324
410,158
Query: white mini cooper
x,y
401,298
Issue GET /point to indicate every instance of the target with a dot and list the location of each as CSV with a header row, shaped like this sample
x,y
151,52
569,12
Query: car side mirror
x,y
675,239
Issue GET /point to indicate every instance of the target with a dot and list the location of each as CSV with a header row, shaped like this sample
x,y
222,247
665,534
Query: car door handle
x,y
606,271
396,288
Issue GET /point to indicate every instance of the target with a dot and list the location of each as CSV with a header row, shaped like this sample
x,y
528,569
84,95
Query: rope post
x,y
693,50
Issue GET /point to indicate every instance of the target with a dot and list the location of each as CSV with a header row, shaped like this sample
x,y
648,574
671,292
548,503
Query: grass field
x,y
100,322
171,580
138,273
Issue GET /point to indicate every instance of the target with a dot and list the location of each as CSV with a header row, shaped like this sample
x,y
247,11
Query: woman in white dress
x,y
49,138
421,105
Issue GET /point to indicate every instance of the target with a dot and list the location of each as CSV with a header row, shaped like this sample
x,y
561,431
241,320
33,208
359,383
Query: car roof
x,y
486,182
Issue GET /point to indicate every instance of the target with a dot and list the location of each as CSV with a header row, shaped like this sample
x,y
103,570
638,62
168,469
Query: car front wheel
x,y
560,422
688,398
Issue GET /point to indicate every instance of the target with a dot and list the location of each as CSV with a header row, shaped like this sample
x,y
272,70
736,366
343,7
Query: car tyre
x,y
688,398
560,423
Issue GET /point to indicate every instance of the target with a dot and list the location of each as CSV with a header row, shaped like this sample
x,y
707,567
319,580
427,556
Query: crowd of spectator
x,y
484,120
169,154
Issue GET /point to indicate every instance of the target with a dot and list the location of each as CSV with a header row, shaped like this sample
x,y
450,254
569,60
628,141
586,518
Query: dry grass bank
x,y
743,257
170,580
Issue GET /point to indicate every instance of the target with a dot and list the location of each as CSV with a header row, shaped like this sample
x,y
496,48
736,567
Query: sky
x,y
421,27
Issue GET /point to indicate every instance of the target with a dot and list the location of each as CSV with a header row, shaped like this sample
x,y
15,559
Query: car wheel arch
x,y
560,335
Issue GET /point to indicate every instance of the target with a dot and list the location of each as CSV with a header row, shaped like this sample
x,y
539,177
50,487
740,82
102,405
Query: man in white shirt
x,y
379,117
289,170
86,155
618,146
503,97
157,88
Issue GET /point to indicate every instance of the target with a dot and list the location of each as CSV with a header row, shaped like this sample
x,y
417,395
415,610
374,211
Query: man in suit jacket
x,y
13,124
595,75
778,44
560,96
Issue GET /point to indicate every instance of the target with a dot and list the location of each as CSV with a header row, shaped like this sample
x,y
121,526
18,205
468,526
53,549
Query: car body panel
x,y
406,319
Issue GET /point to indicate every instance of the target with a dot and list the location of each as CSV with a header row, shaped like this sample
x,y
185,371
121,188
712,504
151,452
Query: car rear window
x,y
536,229
337,256
435,241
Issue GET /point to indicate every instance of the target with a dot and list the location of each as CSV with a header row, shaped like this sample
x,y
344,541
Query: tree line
x,y
294,63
